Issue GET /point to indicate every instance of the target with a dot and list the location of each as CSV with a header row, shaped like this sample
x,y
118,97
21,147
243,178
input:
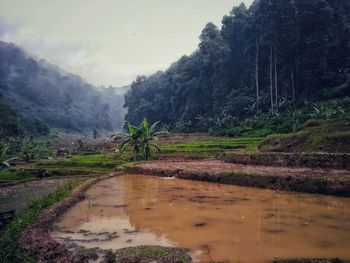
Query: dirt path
x,y
16,197
324,181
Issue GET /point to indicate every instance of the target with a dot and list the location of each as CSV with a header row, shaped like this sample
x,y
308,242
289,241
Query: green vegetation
x,y
316,136
38,96
102,162
205,149
26,148
141,139
7,175
9,121
250,77
9,237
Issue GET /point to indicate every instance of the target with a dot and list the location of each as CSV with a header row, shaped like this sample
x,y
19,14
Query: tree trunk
x,y
271,85
293,86
276,80
257,72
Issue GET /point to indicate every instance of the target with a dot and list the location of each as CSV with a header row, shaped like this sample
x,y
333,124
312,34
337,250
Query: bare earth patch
x,y
16,197
324,181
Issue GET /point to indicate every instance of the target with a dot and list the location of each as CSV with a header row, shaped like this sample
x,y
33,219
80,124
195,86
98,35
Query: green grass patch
x,y
236,143
10,250
102,162
100,157
219,144
7,175
206,149
326,136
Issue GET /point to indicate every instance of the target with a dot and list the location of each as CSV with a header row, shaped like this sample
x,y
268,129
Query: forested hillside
x,y
36,96
273,62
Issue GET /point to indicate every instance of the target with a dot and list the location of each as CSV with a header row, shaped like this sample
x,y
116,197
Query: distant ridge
x,y
40,92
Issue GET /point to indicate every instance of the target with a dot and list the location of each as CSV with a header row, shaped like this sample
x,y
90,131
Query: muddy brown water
x,y
215,222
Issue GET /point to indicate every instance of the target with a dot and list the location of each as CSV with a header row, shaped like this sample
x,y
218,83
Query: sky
x,y
110,42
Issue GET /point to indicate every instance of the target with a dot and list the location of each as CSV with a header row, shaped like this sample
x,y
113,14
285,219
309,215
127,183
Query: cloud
x,y
109,42
85,59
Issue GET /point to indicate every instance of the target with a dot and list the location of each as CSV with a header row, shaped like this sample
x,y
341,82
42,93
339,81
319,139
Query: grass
x,y
6,175
10,250
102,162
236,143
326,136
205,149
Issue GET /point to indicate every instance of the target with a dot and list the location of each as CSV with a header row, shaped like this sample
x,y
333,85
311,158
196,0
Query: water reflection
x,y
218,222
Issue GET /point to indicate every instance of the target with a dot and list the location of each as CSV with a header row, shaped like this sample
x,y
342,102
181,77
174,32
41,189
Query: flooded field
x,y
215,222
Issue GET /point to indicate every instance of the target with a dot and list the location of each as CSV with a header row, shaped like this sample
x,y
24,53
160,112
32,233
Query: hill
x,y
271,59
41,95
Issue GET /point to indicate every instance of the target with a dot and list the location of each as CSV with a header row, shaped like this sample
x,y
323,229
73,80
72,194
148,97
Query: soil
x,y
322,181
183,137
312,160
16,197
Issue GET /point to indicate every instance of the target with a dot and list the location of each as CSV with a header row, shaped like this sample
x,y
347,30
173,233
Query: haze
x,y
109,42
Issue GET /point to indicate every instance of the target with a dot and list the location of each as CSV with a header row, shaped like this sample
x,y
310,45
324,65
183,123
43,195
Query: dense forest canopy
x,y
36,96
273,58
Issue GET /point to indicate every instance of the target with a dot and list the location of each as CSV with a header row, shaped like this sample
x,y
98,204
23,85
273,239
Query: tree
x,y
275,50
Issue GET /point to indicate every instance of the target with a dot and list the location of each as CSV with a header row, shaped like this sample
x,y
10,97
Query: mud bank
x,y
330,182
36,239
312,160
56,172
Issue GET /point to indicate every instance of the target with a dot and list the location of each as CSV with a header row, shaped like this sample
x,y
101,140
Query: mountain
x,y
274,58
40,95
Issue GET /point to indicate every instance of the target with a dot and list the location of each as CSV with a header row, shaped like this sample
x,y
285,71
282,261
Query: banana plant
x,y
142,139
3,153
133,138
149,138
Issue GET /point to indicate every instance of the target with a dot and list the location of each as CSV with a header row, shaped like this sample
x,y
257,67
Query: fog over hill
x,y
39,94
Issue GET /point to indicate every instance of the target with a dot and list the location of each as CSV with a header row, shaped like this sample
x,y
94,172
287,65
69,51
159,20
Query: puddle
x,y
215,222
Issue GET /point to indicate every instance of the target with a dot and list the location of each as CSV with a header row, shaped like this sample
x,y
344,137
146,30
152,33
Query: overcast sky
x,y
109,42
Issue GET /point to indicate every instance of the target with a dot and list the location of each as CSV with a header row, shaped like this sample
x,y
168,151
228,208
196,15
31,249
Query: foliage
x,y
9,121
314,136
327,111
10,250
304,43
35,148
102,162
25,148
142,139
3,151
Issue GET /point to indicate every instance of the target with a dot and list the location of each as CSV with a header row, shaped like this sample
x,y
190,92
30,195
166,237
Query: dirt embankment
x,y
36,238
312,160
322,181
